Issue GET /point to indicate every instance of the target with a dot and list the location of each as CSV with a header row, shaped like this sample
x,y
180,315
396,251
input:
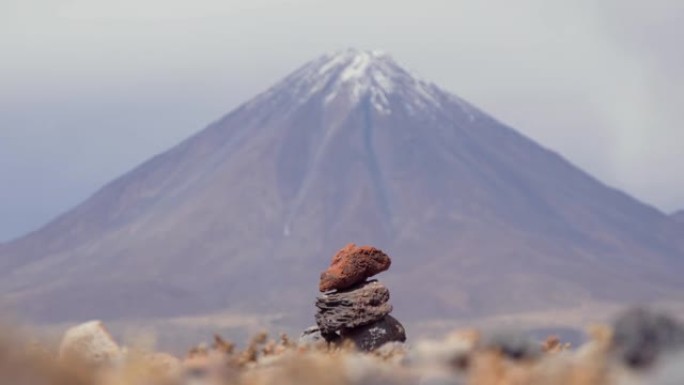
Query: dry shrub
x,y
462,358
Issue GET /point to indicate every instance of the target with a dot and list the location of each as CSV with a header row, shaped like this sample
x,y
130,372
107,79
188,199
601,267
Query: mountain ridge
x,y
348,148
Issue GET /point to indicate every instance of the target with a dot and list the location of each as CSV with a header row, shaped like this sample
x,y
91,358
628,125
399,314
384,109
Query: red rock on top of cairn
x,y
353,265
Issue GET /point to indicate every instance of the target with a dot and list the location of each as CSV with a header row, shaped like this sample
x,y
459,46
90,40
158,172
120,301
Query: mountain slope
x,y
678,216
348,148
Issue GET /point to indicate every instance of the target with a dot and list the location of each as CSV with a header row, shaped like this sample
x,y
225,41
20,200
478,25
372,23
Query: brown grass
x,y
266,361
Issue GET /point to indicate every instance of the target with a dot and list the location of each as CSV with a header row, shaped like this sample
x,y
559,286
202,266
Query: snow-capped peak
x,y
356,63
352,76
356,74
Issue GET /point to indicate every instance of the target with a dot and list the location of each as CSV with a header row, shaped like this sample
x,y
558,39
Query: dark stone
x,y
361,305
373,336
640,336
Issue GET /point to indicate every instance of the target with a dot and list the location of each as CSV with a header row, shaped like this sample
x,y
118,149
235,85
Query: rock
x,y
641,336
353,265
373,336
361,305
90,343
357,310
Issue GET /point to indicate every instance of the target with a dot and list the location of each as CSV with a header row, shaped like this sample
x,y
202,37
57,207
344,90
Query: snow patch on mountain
x,y
354,76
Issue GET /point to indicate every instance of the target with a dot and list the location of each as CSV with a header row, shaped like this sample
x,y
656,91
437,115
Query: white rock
x,y
90,343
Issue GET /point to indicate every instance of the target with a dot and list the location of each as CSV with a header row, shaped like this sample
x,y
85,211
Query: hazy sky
x,y
91,88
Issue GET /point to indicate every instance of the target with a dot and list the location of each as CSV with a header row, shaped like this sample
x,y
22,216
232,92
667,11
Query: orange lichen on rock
x,y
353,265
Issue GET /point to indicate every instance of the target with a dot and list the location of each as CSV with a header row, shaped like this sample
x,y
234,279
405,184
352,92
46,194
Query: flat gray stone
x,y
360,305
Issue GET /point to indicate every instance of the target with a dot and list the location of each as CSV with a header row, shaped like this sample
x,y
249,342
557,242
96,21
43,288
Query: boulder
x,y
641,336
358,306
372,336
353,265
90,343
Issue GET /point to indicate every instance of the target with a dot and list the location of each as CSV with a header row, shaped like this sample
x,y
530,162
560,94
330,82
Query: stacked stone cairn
x,y
353,307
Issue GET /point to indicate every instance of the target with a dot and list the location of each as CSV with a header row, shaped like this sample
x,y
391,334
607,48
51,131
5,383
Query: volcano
x,y
243,216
